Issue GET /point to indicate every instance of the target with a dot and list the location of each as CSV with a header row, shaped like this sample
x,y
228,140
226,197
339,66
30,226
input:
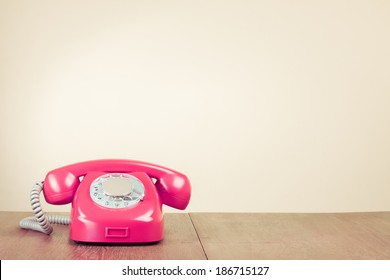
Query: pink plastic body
x,y
142,222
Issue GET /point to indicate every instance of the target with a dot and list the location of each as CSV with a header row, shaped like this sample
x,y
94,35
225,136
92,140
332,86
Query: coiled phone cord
x,y
41,222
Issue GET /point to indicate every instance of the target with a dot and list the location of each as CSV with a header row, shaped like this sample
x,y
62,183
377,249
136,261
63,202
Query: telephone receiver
x,y
112,200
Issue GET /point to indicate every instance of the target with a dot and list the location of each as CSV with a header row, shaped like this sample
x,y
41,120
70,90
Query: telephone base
x,y
139,223
117,231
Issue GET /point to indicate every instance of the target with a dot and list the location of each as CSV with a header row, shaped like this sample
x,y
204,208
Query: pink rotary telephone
x,y
116,200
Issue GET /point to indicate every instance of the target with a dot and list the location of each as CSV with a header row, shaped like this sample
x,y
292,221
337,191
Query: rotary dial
x,y
117,190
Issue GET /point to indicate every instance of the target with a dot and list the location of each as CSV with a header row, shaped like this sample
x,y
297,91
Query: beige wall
x,y
266,105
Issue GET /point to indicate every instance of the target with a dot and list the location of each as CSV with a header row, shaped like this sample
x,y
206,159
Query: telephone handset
x,y
112,200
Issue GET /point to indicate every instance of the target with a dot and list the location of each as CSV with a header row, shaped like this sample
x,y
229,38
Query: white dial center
x,y
117,186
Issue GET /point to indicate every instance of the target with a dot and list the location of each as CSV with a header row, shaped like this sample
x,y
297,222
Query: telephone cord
x,y
41,222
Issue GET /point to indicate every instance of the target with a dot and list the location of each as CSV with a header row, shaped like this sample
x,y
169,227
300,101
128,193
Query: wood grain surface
x,y
294,236
219,236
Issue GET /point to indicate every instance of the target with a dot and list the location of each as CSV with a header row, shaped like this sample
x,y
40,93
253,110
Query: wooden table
x,y
219,236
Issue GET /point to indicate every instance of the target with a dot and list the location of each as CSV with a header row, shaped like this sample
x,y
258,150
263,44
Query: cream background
x,y
271,106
